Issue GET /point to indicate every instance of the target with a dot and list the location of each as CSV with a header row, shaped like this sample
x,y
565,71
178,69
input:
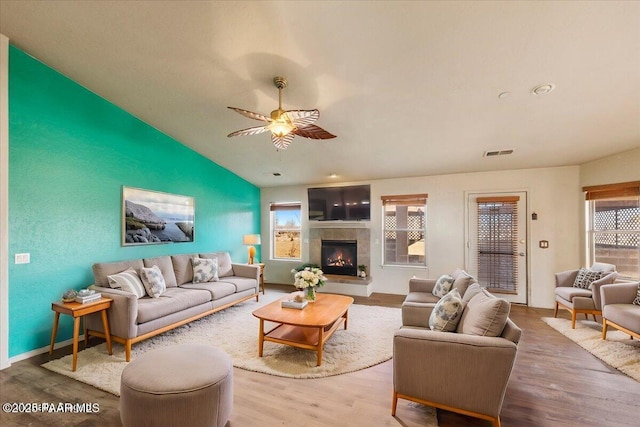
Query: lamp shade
x,y
251,239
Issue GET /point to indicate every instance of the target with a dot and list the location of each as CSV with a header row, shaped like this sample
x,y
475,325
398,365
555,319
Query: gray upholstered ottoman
x,y
181,385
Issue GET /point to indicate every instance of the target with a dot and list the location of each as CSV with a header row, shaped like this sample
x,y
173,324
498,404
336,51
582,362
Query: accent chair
x,y
571,296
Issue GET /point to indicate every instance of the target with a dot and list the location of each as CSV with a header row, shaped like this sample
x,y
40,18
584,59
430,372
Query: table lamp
x,y
250,240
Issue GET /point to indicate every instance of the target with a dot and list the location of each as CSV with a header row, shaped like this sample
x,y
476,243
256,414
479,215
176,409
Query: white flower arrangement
x,y
309,277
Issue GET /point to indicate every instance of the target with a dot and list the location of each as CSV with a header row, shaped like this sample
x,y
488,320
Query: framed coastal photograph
x,y
152,217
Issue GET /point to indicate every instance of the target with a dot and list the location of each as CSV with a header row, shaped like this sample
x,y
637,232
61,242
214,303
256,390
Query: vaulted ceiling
x,y
409,88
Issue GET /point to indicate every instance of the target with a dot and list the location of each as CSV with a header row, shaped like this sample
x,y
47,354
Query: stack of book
x,y
88,298
294,304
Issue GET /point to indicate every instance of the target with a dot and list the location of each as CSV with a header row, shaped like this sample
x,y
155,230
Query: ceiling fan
x,y
284,125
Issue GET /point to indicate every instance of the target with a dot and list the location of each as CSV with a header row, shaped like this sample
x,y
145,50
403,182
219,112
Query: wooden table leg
x,y
346,318
76,333
261,338
54,331
320,345
107,333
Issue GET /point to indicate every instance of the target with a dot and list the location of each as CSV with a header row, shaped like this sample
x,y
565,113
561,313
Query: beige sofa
x,y
133,319
464,371
618,309
420,300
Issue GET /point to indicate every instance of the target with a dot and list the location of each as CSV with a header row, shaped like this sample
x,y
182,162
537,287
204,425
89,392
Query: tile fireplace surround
x,y
360,235
350,285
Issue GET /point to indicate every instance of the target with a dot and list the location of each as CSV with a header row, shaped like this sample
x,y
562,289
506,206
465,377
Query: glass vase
x,y
310,294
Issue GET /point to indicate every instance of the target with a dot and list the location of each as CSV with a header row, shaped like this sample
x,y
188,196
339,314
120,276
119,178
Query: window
x,y
405,230
613,226
285,231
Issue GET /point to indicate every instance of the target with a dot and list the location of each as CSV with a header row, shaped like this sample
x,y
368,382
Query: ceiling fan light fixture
x,y
280,126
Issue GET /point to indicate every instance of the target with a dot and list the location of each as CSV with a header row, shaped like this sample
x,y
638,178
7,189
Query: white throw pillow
x,y
442,286
205,270
446,314
153,281
128,281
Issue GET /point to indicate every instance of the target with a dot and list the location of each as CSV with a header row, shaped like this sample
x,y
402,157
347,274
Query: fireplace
x,y
340,257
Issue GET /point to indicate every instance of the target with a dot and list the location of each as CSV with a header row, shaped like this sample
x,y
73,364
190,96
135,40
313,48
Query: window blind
x,y
407,199
609,191
498,243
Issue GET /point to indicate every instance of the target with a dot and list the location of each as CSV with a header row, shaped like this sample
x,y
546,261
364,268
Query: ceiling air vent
x,y
497,153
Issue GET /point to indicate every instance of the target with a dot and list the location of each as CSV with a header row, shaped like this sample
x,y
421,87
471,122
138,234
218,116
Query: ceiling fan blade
x,y
282,142
313,132
251,114
250,131
302,118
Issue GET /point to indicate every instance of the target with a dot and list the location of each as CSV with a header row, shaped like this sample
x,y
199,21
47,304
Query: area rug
x,y
617,350
367,342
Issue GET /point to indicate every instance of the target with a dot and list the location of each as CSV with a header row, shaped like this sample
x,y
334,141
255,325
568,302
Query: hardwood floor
x,y
554,383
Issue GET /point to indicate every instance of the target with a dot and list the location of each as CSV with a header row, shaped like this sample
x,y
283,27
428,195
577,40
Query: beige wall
x,y
554,194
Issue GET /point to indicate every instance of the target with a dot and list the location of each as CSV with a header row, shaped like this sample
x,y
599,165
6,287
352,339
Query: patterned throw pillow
x,y
637,300
205,270
128,281
442,286
446,314
153,281
585,277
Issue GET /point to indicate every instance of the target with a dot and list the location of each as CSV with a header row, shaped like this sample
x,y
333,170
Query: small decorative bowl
x,y
69,296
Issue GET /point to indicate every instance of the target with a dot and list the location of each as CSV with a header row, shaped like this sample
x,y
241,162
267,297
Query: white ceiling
x,y
409,88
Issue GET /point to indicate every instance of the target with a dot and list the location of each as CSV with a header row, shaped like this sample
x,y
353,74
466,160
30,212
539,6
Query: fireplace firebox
x,y
340,257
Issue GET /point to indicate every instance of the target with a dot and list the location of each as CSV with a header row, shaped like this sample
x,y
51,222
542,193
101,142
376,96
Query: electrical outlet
x,y
23,258
544,244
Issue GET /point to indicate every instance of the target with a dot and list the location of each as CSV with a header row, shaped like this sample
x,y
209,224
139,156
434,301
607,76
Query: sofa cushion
x,y
471,292
636,301
183,268
568,293
153,281
128,281
103,269
484,315
216,290
166,267
585,277
462,281
224,262
442,286
446,313
205,270
421,297
241,283
172,301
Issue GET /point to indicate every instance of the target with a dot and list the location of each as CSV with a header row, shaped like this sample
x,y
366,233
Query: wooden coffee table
x,y
308,328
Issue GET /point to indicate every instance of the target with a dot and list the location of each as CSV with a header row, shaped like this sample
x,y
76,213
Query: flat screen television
x,y
348,203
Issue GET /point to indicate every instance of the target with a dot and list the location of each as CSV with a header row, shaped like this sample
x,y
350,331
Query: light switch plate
x,y
544,244
23,258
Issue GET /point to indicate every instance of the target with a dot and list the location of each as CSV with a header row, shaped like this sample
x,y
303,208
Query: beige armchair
x,y
618,309
579,300
465,371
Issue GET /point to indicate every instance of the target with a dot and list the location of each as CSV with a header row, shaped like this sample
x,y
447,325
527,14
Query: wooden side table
x,y
77,310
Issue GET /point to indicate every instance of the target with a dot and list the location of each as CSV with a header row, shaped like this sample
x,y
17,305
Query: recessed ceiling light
x,y
333,175
543,89
504,95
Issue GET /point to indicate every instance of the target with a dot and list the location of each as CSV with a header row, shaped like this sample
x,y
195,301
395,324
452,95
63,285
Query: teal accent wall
x,y
70,153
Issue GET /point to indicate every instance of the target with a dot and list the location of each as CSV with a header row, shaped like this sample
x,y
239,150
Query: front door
x,y
497,243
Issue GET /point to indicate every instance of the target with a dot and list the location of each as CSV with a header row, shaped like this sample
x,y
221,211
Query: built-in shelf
x,y
339,224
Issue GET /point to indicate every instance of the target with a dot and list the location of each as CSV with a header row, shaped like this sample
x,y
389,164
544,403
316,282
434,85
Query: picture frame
x,y
152,217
